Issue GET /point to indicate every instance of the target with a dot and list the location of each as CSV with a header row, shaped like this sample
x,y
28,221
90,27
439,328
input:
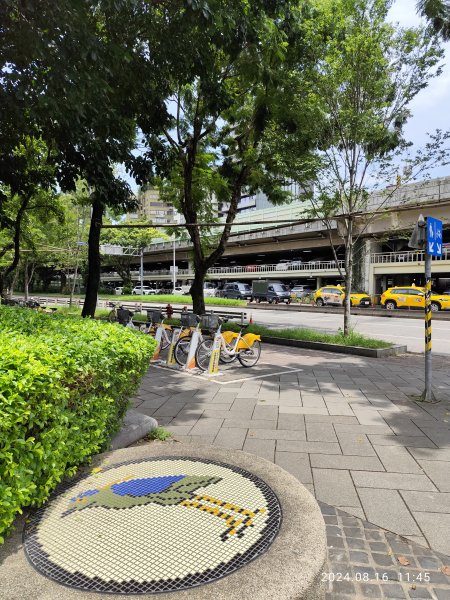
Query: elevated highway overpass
x,y
256,251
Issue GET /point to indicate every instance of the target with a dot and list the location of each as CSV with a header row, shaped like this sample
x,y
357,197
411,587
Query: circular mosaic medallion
x,y
154,525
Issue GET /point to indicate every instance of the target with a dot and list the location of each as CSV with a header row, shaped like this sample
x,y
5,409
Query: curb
x,y
357,350
135,426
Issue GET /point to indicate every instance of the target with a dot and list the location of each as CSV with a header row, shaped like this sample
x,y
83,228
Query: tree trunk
x,y
74,281
348,276
93,278
63,278
196,291
26,280
14,281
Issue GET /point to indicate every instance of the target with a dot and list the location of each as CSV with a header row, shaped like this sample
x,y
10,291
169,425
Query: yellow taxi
x,y
335,294
413,297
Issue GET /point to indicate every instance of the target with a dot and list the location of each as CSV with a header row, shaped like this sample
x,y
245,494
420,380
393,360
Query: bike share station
x,y
199,346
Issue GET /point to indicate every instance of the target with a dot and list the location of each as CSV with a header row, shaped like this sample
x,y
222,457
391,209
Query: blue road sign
x,y
434,237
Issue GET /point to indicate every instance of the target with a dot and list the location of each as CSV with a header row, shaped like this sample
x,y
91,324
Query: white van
x,y
209,289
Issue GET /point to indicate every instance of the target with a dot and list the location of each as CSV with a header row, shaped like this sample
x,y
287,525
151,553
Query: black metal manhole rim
x,y
40,560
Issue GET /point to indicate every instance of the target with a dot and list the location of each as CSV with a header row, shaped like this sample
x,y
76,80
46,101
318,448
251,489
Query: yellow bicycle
x,y
245,347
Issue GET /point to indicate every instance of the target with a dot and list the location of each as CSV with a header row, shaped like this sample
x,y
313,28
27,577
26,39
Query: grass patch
x,y
312,335
159,433
163,298
175,300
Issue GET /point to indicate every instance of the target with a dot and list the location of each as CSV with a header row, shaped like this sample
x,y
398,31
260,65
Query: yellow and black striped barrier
x,y
428,316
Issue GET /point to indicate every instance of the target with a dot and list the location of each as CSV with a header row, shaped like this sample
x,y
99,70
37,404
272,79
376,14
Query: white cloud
x,y
431,107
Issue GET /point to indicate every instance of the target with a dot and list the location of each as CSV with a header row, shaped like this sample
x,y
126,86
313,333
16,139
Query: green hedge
x,y
64,388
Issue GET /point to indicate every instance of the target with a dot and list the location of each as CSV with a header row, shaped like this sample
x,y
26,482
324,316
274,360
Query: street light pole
x,y
141,271
174,277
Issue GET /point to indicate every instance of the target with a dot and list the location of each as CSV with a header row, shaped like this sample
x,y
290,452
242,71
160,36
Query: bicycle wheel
x,y
250,356
181,350
203,354
112,317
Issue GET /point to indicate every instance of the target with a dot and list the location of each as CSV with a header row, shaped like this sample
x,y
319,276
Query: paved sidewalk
x,y
346,426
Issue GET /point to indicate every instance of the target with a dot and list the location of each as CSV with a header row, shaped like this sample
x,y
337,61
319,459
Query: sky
x,y
431,107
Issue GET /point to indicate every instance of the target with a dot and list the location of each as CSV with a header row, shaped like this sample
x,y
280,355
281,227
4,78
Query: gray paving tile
x,y
368,416
313,402
365,429
295,446
431,502
217,414
356,463
295,463
424,453
249,424
335,487
438,472
168,410
291,422
436,529
355,444
267,413
155,402
397,459
320,432
203,440
392,481
301,410
401,425
386,508
277,434
206,427
339,409
177,430
263,448
231,438
401,440
440,436
337,419
195,406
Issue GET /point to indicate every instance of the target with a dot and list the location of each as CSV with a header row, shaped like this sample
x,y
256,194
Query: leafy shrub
x,y
64,388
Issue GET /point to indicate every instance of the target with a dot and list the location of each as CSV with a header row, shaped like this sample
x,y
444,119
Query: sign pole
x,y
428,395
427,236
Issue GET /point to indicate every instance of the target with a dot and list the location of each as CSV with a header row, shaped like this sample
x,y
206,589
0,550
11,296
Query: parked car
x,y
315,262
209,289
283,265
118,291
178,290
301,291
270,291
412,297
146,290
237,291
333,294
296,264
